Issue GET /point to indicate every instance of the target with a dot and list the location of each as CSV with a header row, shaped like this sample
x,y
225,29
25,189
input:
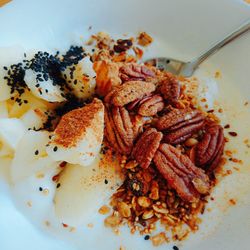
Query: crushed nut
x,y
124,209
144,201
104,210
159,239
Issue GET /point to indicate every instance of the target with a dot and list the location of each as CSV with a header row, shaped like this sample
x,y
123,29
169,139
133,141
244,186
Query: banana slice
x,y
81,78
79,134
31,156
43,88
11,131
84,190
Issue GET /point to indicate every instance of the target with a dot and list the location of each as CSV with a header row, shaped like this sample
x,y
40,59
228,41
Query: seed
x,y
175,248
191,142
36,152
55,148
146,237
232,133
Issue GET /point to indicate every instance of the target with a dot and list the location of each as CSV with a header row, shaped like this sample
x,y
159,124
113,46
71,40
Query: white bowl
x,y
182,30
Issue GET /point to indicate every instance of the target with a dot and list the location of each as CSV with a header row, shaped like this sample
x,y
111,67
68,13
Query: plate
x,y
182,30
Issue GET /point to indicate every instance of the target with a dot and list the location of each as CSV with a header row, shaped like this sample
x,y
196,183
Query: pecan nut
x,y
209,150
147,106
179,125
128,92
145,148
134,72
170,88
119,129
181,174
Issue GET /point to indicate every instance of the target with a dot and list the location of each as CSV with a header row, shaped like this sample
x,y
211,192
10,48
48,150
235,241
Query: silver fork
x,y
187,69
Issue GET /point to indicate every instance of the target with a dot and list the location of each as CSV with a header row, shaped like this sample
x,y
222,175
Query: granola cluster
x,y
170,147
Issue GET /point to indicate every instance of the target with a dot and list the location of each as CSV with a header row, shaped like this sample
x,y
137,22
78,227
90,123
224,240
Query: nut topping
x,y
119,129
180,173
169,87
179,125
146,146
129,91
147,106
134,72
210,149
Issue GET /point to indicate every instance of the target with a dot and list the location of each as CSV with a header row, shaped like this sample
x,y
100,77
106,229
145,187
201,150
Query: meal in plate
x,y
114,135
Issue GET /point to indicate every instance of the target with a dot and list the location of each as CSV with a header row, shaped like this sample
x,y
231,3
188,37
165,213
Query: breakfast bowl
x,y
39,212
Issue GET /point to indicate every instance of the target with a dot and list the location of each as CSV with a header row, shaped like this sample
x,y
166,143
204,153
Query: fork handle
x,y
241,30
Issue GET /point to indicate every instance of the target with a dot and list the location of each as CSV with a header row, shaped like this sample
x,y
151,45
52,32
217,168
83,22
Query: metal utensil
x,y
187,69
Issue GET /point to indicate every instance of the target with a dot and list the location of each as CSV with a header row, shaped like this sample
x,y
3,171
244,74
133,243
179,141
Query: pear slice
x,y
11,131
43,89
81,78
78,137
31,156
3,110
84,190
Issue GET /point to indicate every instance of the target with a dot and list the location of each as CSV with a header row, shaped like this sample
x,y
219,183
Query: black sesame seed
x,y
106,181
55,148
36,152
147,237
25,101
5,68
58,185
175,248
40,189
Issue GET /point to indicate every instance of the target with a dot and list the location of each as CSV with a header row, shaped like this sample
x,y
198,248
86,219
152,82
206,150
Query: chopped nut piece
x,y
144,201
112,221
124,209
148,214
104,210
159,239
191,142
144,39
154,195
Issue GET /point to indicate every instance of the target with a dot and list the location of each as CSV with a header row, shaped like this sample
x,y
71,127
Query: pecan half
x,y
147,106
180,124
129,91
180,173
145,148
210,149
170,88
133,72
119,129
